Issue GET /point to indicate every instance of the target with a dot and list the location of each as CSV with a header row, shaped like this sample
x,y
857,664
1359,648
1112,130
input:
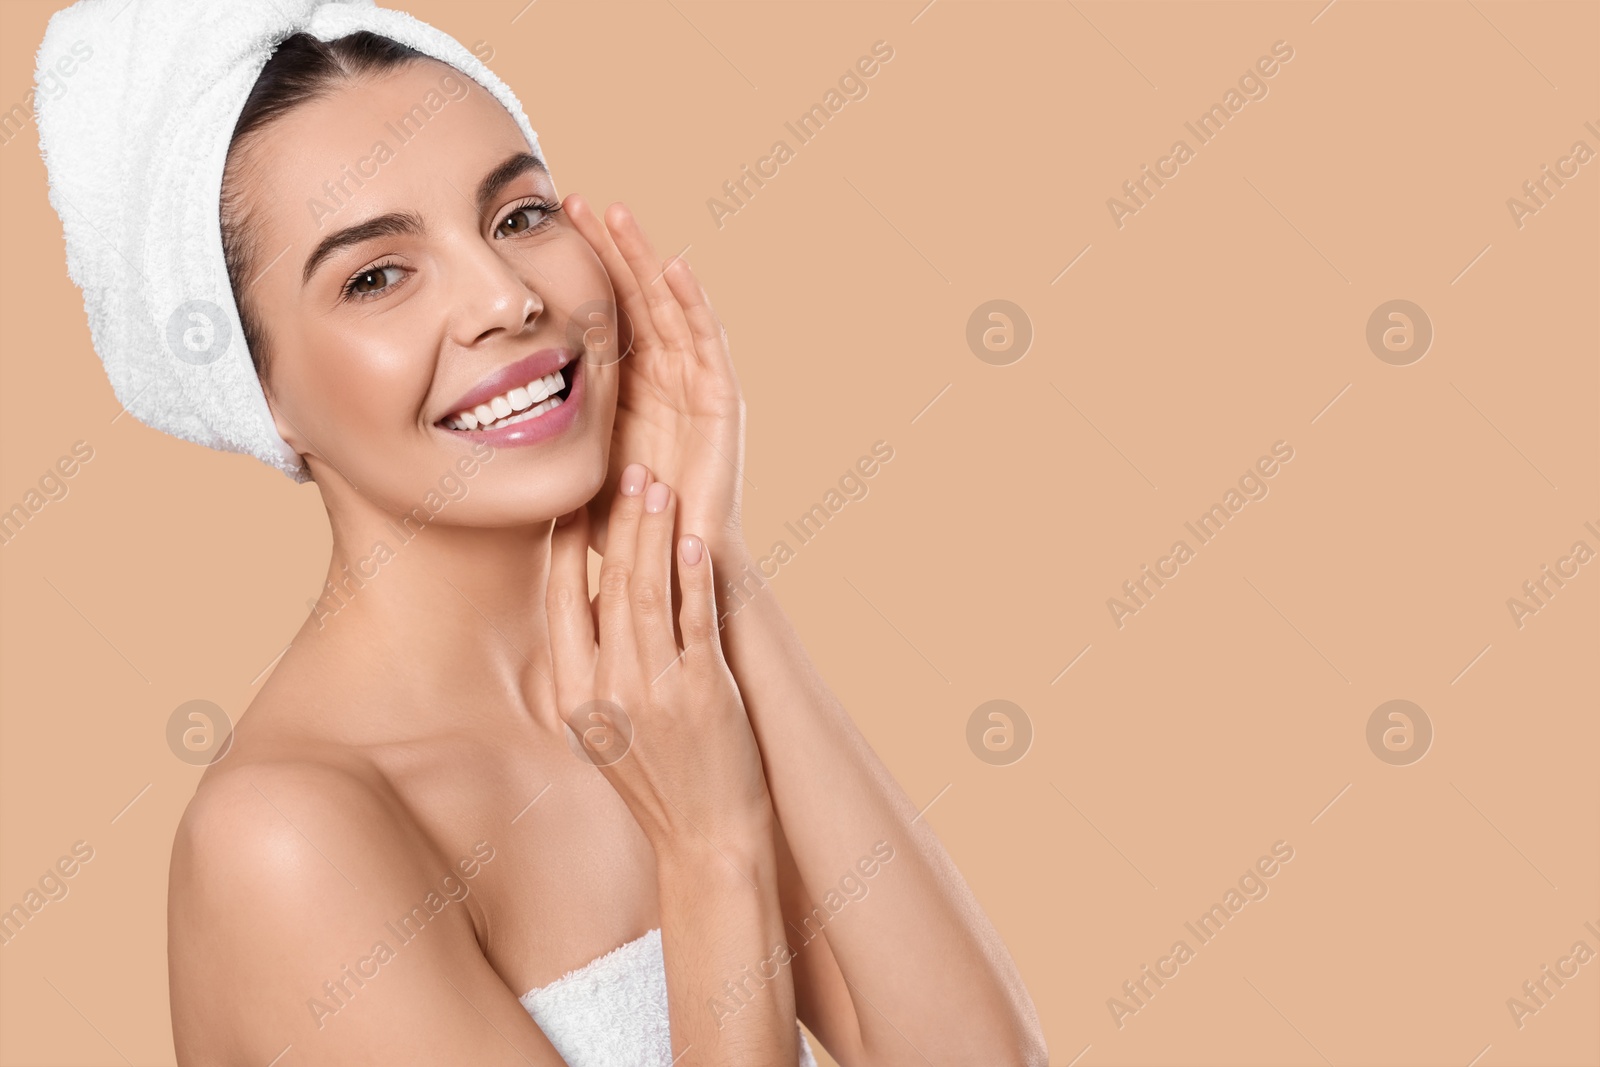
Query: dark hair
x,y
302,69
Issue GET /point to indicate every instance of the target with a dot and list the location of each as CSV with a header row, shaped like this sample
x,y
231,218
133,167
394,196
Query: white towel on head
x,y
134,139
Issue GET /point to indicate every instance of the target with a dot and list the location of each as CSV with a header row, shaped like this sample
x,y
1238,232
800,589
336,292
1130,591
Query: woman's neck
x,y
428,628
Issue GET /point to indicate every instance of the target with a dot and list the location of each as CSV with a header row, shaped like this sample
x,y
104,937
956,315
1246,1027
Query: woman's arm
x,y
690,774
920,972
929,978
731,999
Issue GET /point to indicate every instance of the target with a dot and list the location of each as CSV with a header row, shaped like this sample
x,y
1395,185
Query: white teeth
x,y
532,413
547,386
529,400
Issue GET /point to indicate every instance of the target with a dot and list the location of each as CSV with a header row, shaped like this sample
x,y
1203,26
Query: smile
x,y
514,405
531,400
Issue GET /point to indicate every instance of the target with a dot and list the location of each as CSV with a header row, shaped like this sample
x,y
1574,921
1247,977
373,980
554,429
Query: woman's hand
x,y
667,728
665,724
679,409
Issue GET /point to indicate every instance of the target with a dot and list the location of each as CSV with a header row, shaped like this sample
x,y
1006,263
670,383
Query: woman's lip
x,y
525,370
531,431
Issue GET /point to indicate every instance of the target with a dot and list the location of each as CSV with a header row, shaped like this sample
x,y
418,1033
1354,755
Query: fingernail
x,y
655,498
633,479
690,548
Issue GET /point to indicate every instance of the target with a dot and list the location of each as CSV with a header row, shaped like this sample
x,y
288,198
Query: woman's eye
x,y
523,220
373,280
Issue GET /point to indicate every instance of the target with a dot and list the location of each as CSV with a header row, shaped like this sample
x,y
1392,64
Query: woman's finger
x,y
630,298
652,582
697,618
616,569
710,338
572,647
665,314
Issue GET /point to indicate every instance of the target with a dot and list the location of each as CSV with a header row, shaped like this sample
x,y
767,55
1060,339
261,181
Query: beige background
x,y
1226,315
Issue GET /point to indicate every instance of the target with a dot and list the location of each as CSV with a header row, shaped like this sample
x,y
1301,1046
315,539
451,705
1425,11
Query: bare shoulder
x,y
270,858
284,818
254,829
305,908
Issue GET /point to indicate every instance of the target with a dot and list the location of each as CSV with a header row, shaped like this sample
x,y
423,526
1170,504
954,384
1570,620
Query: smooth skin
x,y
688,769
421,725
832,793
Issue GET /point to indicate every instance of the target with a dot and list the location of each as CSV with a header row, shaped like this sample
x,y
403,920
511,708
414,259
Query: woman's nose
x,y
488,295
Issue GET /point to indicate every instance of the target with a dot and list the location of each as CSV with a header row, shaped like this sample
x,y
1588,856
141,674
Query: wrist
x,y
727,548
738,576
743,854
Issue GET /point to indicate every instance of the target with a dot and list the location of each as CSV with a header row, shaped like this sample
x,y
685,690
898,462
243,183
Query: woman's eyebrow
x,y
405,222
497,179
393,224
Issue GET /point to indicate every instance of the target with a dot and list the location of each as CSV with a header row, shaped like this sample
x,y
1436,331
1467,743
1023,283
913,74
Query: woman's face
x,y
412,265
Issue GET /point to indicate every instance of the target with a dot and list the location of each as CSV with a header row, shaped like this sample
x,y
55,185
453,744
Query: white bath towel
x,y
135,102
613,1011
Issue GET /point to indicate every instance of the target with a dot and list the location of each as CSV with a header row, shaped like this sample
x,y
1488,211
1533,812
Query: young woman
x,y
474,817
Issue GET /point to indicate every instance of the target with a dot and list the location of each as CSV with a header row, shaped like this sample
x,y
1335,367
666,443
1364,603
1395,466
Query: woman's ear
x,y
286,428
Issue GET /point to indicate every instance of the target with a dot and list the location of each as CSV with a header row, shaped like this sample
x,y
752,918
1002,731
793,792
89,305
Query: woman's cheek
x,y
378,380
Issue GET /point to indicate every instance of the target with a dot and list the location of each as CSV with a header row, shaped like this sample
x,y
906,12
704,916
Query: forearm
x,y
834,799
729,987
